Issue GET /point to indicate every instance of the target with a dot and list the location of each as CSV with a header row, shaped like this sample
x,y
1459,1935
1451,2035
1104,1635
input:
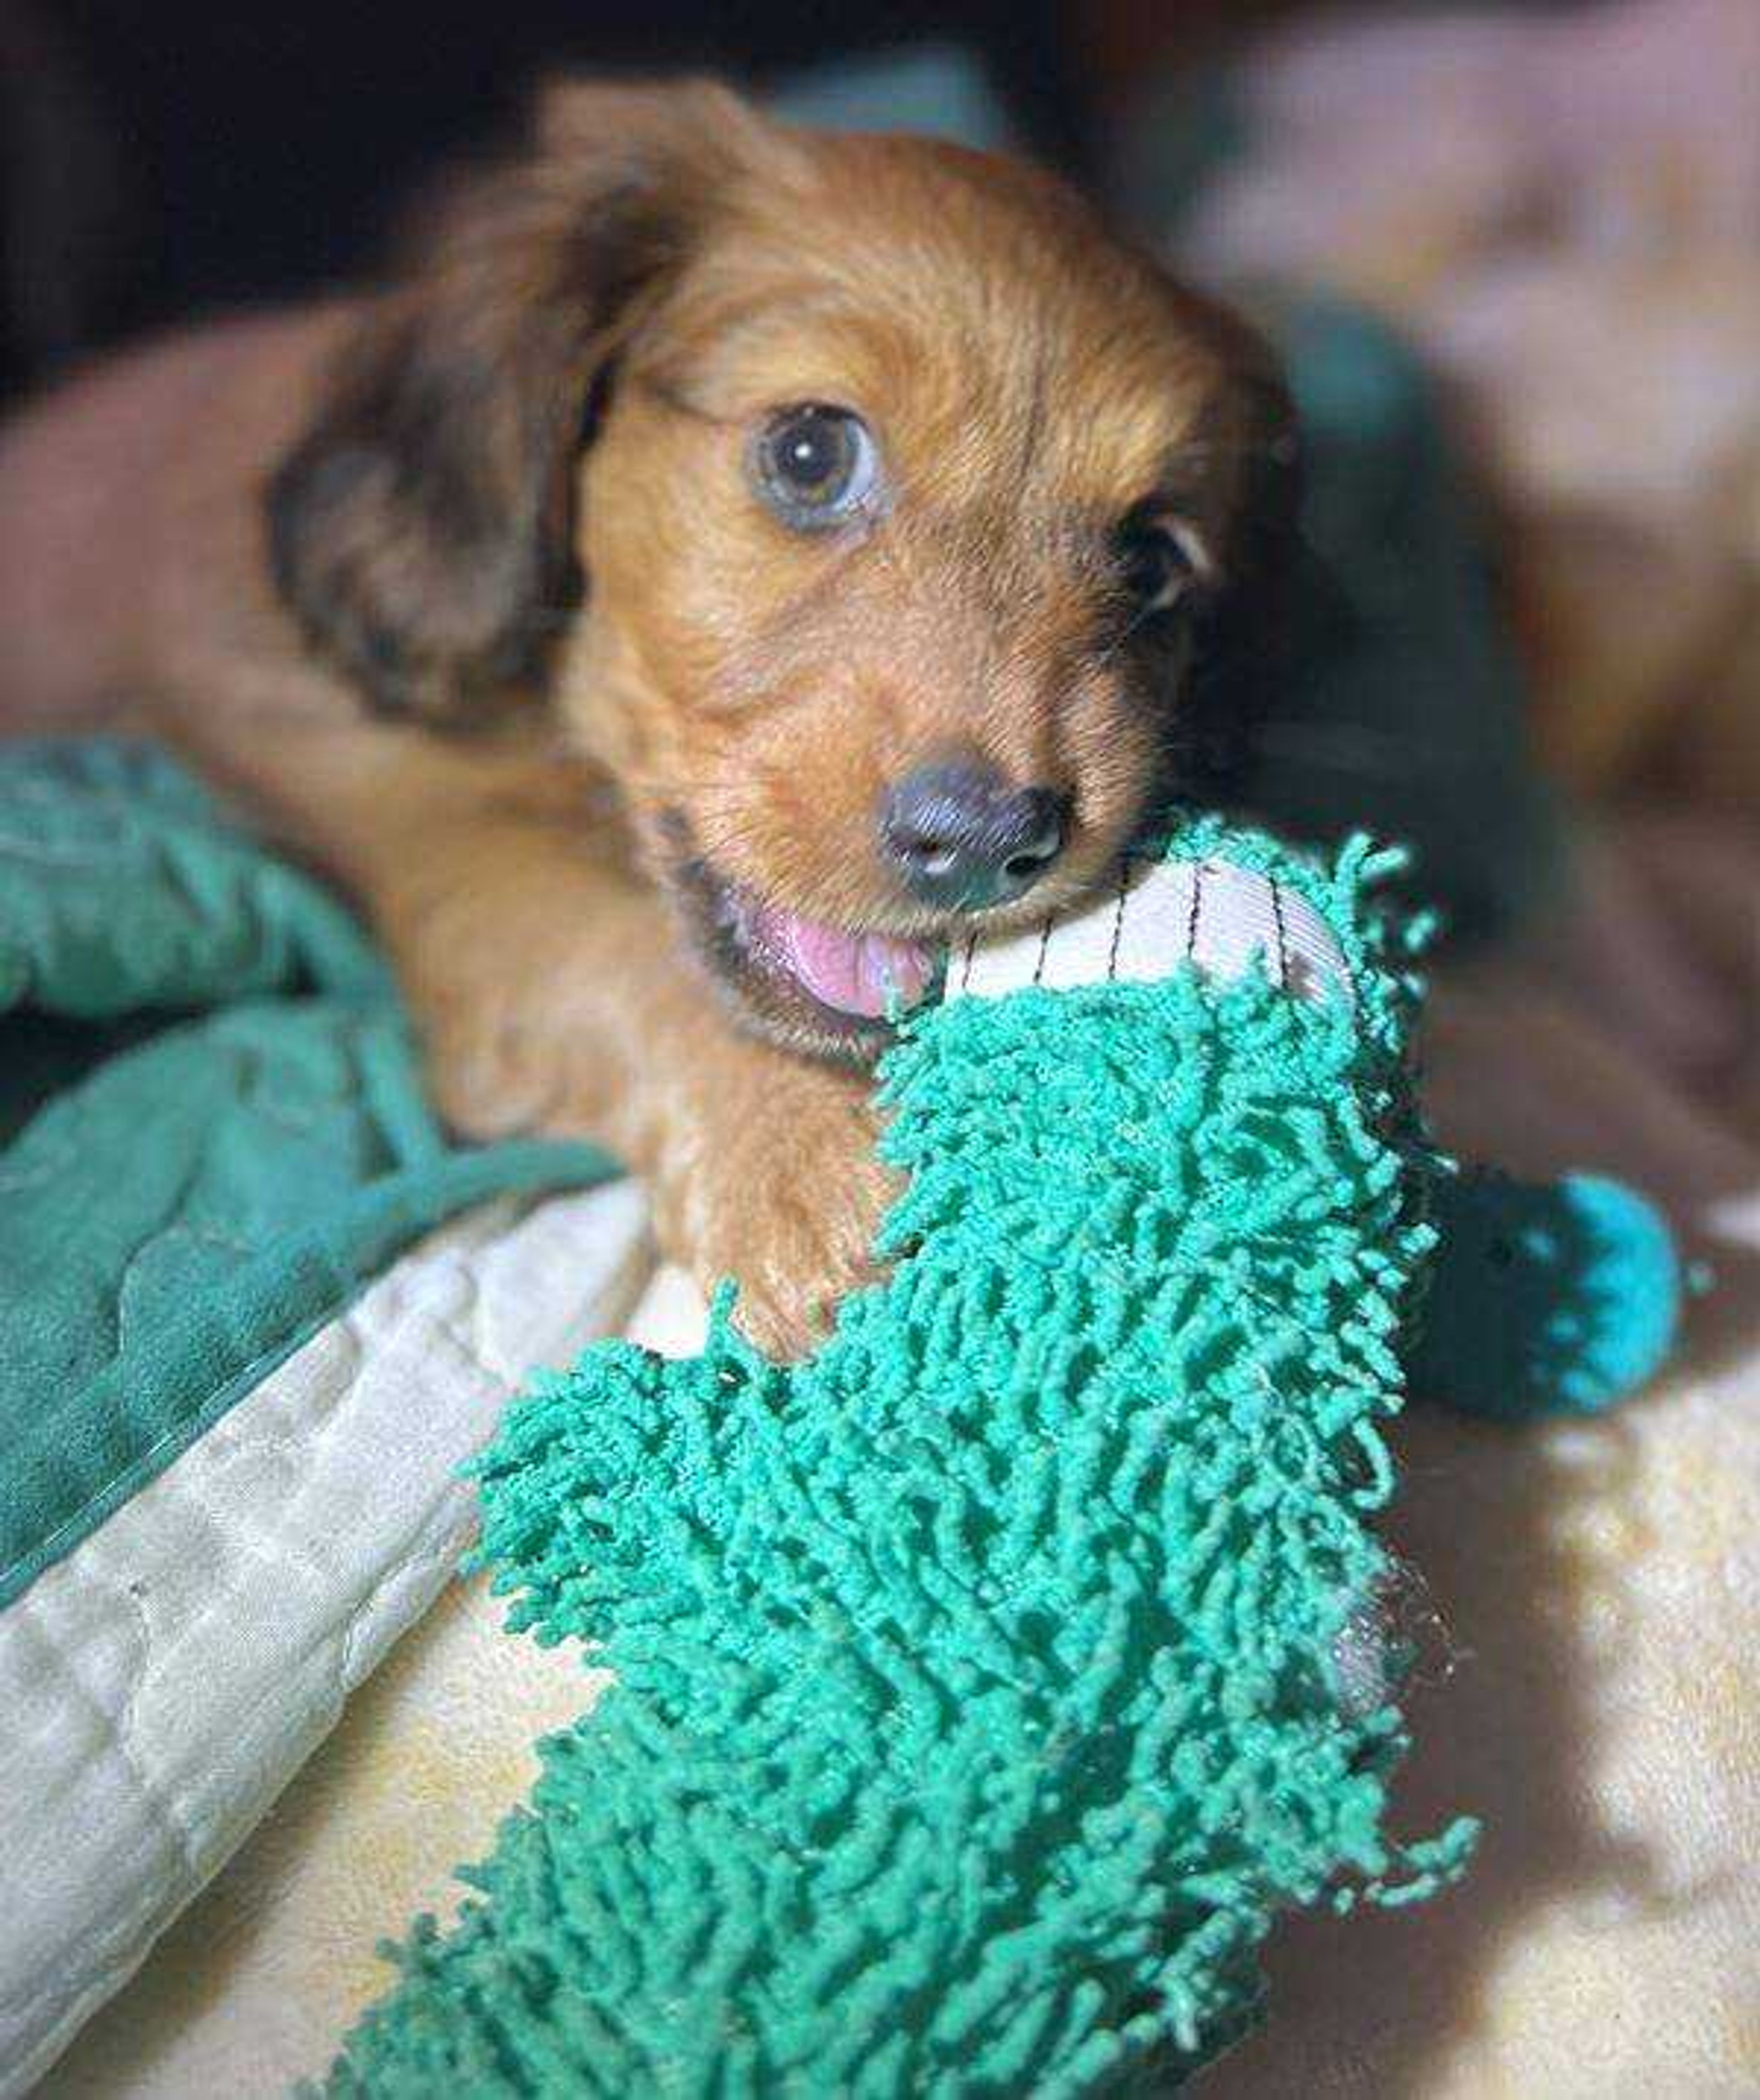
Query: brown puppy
x,y
728,559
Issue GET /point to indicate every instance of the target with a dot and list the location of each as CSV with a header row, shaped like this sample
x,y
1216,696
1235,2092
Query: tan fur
x,y
727,685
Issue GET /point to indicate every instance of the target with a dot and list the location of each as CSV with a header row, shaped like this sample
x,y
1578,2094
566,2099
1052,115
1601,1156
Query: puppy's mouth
x,y
833,991
855,977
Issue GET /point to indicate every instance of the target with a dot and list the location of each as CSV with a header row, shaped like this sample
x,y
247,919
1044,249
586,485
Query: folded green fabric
x,y
217,1129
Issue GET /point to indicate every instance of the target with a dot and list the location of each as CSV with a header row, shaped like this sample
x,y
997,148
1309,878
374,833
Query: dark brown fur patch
x,y
421,529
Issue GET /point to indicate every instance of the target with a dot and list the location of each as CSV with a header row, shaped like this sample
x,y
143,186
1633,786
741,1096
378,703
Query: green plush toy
x,y
987,1684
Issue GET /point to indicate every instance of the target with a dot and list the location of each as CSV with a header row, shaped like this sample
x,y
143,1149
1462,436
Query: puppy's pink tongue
x,y
855,972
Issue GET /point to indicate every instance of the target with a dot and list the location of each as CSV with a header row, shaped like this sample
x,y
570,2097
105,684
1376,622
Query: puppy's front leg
x,y
766,1172
552,995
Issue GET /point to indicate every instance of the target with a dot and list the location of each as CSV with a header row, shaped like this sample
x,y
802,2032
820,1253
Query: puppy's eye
x,y
1157,562
815,467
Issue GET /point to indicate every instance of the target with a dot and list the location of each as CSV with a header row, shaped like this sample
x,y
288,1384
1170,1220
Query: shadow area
x,y
1520,1536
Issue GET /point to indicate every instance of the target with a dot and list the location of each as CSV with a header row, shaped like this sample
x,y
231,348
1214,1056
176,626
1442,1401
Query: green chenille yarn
x,y
982,1684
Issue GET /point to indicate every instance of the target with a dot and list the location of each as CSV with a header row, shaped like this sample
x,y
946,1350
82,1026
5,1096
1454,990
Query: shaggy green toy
x,y
985,1684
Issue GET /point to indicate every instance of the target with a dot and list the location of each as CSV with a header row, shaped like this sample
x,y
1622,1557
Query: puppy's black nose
x,y
963,838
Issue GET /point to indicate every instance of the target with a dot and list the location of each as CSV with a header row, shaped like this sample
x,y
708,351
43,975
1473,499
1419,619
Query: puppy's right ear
x,y
422,528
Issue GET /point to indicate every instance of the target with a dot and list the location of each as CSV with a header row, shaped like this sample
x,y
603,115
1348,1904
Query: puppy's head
x,y
861,507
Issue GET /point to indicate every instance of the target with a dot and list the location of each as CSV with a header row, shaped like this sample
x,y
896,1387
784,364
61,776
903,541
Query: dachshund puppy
x,y
724,560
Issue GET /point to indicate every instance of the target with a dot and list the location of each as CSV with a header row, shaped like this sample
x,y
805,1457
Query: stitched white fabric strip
x,y
1221,917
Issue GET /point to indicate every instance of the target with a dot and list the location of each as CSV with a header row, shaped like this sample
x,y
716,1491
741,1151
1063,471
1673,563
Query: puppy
x,y
722,563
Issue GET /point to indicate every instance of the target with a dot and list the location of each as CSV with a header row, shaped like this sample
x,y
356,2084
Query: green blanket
x,y
212,1129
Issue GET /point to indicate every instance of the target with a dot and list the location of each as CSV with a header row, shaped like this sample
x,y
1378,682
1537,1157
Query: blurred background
x,y
1512,256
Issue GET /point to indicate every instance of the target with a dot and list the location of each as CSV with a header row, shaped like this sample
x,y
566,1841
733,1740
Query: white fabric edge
x,y
166,1678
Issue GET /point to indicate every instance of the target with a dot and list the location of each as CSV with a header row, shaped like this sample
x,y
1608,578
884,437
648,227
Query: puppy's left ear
x,y
1244,646
421,530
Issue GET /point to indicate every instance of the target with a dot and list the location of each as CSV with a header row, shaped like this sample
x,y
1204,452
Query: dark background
x,y
165,157
162,158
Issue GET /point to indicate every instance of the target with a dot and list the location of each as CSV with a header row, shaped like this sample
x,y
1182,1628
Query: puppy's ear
x,y
1245,650
421,529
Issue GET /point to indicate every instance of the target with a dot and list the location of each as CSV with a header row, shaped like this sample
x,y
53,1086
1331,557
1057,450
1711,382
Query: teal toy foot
x,y
1549,1299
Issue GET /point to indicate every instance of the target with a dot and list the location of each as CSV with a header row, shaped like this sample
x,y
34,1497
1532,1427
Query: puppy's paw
x,y
785,1197
493,1073
511,1048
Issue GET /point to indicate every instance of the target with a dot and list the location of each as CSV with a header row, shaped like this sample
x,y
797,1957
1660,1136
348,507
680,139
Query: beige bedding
x,y
1592,1689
